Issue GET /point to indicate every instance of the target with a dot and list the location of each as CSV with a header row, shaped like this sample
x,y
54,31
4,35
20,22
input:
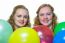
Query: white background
x,y
6,8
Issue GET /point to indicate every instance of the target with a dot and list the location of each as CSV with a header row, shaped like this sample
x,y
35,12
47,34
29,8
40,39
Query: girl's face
x,y
45,16
20,17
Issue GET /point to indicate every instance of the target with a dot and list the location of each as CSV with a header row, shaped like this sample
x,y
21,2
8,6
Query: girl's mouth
x,y
21,22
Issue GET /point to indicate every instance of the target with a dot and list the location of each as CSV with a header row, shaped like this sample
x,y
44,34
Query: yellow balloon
x,y
24,35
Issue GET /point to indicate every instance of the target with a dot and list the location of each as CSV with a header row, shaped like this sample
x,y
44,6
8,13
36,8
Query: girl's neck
x,y
50,27
16,26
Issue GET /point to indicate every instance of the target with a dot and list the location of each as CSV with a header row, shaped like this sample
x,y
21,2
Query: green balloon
x,y
5,31
59,27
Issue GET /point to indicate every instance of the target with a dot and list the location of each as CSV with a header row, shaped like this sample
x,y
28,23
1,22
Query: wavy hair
x,y
54,20
11,19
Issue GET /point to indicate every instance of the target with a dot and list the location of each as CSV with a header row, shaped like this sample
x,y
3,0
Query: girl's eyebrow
x,y
49,12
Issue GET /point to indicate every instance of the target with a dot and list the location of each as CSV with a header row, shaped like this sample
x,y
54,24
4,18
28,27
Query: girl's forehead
x,y
22,11
45,10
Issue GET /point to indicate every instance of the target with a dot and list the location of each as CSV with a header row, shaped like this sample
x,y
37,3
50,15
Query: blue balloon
x,y
5,31
59,37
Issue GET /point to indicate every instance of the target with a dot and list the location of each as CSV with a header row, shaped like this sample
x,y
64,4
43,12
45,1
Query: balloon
x,y
59,27
5,31
24,35
45,34
59,37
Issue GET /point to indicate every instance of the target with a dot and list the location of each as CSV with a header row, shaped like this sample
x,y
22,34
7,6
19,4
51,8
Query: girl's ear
x,y
54,17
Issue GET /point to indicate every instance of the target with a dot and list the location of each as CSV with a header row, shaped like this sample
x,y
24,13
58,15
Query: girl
x,y
19,17
46,16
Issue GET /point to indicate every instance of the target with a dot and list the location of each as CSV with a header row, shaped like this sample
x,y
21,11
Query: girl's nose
x,y
22,18
45,16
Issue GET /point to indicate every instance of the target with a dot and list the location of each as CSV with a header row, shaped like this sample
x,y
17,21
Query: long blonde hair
x,y
54,20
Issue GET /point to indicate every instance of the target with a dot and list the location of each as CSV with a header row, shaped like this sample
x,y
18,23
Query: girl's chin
x,y
45,24
21,25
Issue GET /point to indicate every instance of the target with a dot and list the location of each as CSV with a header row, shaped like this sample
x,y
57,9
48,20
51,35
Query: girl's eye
x,y
41,14
26,16
19,16
48,14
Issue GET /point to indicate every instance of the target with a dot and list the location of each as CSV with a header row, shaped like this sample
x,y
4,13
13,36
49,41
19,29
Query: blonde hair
x,y
11,19
54,20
